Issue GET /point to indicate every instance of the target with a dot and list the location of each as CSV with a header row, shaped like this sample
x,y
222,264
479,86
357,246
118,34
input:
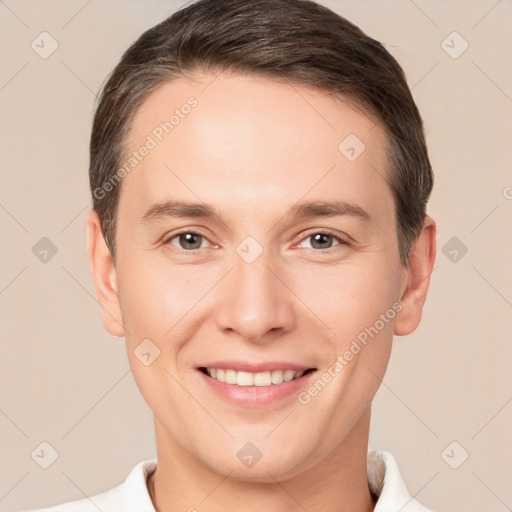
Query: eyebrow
x,y
303,210
329,209
178,209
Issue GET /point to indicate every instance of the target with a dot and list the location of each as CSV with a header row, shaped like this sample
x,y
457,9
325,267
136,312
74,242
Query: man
x,y
259,233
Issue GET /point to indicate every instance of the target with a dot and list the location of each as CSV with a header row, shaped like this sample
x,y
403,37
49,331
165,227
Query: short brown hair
x,y
298,41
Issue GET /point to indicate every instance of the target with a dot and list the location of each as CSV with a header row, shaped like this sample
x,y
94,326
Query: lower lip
x,y
252,396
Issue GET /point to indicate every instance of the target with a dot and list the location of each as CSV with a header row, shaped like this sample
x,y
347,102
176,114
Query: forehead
x,y
214,136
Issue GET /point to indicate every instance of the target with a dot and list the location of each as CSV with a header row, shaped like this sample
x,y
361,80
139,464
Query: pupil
x,y
190,239
320,239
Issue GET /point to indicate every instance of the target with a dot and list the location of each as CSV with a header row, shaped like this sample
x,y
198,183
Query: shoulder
x,y
387,483
130,496
106,501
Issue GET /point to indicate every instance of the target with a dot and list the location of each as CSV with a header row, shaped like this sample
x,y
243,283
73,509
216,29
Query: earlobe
x,y
104,275
417,279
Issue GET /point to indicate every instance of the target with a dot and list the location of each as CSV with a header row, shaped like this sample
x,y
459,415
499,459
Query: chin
x,y
263,468
264,473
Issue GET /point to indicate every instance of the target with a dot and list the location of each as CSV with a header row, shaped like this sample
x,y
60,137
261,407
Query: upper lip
x,y
252,367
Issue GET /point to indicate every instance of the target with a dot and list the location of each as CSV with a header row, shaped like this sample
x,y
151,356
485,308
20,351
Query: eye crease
x,y
319,237
190,240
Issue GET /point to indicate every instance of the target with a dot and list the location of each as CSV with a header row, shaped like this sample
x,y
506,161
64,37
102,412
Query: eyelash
x,y
341,241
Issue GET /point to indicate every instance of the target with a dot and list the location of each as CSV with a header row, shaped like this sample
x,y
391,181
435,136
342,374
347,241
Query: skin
x,y
253,148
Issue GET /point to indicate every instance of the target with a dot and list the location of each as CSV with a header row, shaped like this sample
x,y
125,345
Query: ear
x,y
416,279
104,276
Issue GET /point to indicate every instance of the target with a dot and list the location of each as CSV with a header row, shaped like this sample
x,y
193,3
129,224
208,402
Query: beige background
x,y
65,381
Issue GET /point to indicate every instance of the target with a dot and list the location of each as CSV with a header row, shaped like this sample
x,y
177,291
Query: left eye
x,y
188,240
322,240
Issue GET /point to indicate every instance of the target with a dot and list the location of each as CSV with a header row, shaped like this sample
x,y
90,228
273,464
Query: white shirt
x,y
132,495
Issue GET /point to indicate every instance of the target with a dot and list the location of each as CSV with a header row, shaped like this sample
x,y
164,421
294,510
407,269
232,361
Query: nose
x,y
255,302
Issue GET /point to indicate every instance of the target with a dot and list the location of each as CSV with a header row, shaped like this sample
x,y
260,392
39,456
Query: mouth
x,y
263,378
254,384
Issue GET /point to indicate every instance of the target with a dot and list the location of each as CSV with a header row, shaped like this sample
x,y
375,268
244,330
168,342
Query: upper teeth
x,y
253,379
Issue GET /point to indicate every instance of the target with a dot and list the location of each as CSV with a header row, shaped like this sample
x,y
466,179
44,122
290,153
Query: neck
x,y
336,483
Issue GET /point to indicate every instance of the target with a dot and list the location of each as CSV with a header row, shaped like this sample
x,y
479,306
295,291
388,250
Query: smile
x,y
244,378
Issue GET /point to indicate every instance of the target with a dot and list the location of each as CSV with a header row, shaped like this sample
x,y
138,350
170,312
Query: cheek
x,y
155,301
358,303
350,298
156,297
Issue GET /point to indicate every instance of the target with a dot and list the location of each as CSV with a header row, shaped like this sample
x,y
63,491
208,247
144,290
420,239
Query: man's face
x,y
257,287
